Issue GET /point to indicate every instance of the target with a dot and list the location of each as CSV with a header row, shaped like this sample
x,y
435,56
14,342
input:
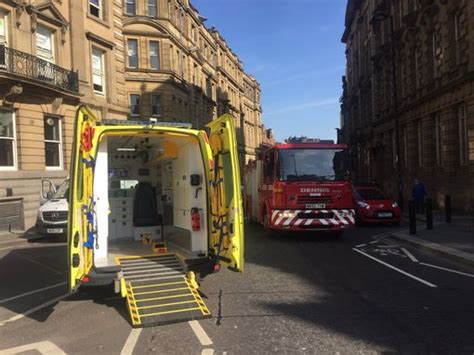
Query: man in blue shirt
x,y
418,193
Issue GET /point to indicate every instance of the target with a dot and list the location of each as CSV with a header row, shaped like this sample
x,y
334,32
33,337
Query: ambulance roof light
x,y
151,122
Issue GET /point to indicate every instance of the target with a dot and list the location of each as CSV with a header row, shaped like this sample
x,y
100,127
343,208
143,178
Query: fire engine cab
x,y
301,185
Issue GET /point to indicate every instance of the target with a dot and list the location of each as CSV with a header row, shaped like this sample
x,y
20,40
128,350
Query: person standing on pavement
x,y
419,193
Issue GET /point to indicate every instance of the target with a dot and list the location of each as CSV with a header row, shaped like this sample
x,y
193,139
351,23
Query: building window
x,y
181,60
193,33
134,105
156,105
98,70
53,143
420,143
151,8
436,52
183,67
96,8
417,73
130,7
457,36
463,138
409,6
132,45
405,147
395,157
3,29
7,140
154,55
44,44
195,74
438,140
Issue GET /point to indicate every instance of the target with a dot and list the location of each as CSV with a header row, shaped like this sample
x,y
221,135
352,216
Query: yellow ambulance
x,y
152,206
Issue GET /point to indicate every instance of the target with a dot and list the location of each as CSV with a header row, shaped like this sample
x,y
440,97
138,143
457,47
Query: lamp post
x,y
379,16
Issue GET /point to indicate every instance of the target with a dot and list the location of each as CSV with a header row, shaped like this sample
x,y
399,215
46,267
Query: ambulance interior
x,y
149,186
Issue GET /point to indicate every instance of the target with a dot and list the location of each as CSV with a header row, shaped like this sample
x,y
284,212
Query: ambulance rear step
x,y
158,291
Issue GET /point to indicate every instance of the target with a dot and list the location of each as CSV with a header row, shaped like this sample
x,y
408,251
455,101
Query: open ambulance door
x,y
81,228
227,230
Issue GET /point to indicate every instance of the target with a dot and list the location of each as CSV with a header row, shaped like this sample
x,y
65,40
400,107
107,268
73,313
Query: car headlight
x,y
363,204
39,215
394,205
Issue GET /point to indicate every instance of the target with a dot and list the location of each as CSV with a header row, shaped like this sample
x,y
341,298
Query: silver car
x,y
52,215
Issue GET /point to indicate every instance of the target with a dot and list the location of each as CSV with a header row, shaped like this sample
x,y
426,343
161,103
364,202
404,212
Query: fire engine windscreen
x,y
314,164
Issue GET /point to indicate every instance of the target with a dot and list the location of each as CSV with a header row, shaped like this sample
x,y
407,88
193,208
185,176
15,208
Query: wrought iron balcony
x,y
28,66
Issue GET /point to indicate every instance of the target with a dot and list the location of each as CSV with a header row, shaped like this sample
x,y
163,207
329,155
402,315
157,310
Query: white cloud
x,y
314,103
303,75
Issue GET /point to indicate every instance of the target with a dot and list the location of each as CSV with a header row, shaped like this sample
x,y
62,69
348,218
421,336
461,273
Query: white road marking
x,y
131,342
374,241
395,268
207,352
33,310
360,245
449,270
43,347
41,264
410,255
32,292
200,333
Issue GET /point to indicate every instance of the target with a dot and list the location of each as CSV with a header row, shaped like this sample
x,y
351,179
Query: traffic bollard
x,y
412,216
429,213
447,206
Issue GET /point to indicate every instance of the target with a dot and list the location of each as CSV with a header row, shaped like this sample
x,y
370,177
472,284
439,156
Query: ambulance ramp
x,y
159,292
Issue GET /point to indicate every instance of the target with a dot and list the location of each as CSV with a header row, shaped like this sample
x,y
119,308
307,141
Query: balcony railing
x,y
29,66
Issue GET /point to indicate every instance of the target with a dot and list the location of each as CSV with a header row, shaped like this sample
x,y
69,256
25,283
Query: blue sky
x,y
293,48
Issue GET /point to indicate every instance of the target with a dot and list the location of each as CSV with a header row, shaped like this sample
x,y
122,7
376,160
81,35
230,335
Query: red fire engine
x,y
302,184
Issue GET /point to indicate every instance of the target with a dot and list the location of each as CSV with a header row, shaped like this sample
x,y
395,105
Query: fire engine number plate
x,y
315,205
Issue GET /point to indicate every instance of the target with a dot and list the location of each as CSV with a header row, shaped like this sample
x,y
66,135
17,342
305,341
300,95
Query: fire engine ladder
x,y
158,291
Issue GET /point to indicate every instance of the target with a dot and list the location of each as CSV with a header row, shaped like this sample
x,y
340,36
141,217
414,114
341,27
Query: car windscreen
x,y
62,190
313,164
371,194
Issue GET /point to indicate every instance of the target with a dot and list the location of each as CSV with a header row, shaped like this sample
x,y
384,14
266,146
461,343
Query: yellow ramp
x,y
159,292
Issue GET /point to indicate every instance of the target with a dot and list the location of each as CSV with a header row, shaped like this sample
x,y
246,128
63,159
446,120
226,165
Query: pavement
x,y
453,240
302,294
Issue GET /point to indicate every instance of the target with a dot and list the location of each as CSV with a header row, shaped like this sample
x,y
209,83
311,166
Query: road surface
x,y
298,294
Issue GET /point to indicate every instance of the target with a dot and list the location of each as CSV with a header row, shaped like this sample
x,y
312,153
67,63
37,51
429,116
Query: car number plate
x,y
315,205
54,230
385,215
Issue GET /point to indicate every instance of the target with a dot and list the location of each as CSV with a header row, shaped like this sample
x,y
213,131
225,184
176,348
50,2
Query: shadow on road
x,y
38,275
360,300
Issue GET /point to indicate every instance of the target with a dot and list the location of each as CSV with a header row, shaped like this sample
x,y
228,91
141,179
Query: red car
x,y
373,206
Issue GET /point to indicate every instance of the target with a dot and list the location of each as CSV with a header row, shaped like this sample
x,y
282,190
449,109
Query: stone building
x,y
132,59
432,61
52,59
178,69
